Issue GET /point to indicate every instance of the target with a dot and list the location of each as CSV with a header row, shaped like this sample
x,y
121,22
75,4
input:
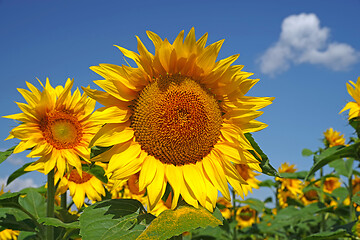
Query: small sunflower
x,y
56,126
333,138
310,196
249,176
354,92
291,185
179,117
283,196
246,217
224,207
331,183
80,186
356,185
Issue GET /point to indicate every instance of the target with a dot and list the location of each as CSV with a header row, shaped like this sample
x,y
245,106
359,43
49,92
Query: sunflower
x,y
354,107
333,138
179,117
249,176
291,185
80,186
331,183
9,234
246,217
224,207
56,126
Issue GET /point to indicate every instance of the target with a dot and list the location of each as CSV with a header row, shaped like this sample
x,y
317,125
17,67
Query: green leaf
x,y
328,235
343,167
267,183
6,154
97,171
21,171
255,204
16,219
356,198
332,154
111,219
174,222
34,203
49,221
264,163
295,175
307,152
98,150
10,200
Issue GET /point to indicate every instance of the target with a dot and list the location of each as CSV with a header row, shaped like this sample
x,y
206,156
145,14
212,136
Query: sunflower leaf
x,y
21,171
4,155
265,164
16,219
174,222
332,154
34,203
328,235
49,221
111,219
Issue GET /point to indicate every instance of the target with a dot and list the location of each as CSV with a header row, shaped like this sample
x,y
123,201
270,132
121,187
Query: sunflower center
x,y
75,177
61,129
246,214
176,120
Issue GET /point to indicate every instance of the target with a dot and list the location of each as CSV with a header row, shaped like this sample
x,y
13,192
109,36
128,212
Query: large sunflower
x,y
56,126
353,107
179,117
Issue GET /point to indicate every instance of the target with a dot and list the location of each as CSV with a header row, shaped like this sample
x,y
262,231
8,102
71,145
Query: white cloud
x,y
303,40
16,161
17,184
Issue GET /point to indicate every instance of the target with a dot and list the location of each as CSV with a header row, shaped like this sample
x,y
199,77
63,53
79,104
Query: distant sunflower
x,y
179,117
356,185
354,92
331,183
80,186
249,176
333,138
246,217
288,184
224,207
56,126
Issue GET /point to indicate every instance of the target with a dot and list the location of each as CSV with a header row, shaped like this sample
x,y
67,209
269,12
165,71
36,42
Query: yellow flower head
x,y
249,176
353,107
246,217
9,234
80,186
225,207
56,126
333,138
331,183
179,117
310,196
356,185
288,184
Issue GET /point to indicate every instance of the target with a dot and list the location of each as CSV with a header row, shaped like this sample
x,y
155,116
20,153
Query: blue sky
x,y
304,52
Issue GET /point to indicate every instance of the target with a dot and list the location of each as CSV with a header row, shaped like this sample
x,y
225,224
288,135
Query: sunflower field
x,y
168,153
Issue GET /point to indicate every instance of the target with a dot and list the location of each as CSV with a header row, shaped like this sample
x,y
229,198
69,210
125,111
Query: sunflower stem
x,y
352,208
322,200
50,204
234,210
63,201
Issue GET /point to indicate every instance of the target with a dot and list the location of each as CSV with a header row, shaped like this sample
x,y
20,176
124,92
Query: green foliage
x,y
19,172
112,219
264,161
97,171
172,223
332,154
307,152
4,155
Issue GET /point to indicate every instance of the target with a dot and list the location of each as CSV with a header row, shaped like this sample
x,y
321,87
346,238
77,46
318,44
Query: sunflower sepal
x,y
5,154
264,160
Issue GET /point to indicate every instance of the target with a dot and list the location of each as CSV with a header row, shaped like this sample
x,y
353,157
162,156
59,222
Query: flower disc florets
x,y
176,120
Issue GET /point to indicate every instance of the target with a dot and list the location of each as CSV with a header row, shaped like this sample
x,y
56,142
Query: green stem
x,y
50,204
234,211
352,208
63,201
322,200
